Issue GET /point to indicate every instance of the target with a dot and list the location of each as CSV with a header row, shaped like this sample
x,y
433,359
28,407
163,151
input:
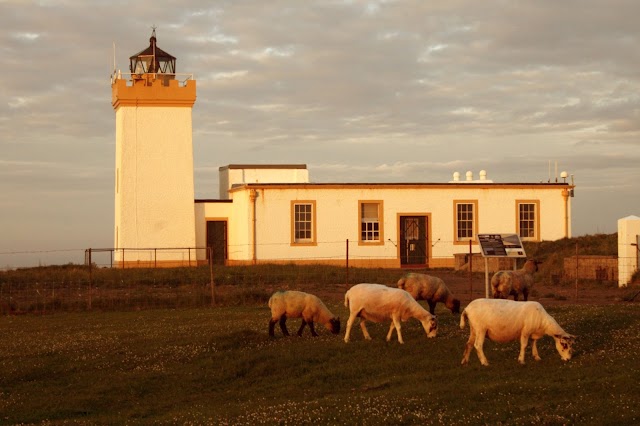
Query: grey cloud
x,y
361,91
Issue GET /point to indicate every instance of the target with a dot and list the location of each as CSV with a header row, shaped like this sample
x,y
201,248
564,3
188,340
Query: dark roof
x,y
211,200
263,166
160,54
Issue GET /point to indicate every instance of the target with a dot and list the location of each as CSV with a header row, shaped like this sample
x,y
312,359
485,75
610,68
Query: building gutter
x,y
253,194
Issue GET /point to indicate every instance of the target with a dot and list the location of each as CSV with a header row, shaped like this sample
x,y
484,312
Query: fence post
x,y
347,263
470,271
213,291
577,270
486,277
90,278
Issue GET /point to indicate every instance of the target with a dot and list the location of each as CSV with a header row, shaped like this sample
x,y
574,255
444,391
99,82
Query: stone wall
x,y
494,263
591,267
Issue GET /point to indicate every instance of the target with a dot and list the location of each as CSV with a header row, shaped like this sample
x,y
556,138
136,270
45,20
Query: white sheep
x,y
429,288
507,320
378,303
297,304
507,283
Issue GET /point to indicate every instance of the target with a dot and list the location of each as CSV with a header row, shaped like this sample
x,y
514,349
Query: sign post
x,y
499,245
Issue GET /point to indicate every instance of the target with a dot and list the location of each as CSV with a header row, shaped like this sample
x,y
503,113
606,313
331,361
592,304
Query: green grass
x,y
218,366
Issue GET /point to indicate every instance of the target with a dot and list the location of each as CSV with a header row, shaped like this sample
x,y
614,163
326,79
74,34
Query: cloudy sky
x,y
360,91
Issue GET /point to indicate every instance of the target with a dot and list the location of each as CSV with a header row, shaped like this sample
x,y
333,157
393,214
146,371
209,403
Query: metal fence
x,y
101,284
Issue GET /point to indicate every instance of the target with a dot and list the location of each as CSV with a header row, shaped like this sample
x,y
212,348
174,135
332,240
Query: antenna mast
x,y
113,71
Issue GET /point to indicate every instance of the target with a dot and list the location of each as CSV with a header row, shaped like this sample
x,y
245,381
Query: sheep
x,y
507,283
429,288
297,304
377,303
507,320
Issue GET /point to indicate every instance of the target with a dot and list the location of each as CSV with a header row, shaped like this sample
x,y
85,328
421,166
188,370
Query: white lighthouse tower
x,y
154,191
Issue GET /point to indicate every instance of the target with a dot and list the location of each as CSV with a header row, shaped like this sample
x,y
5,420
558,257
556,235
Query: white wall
x,y
154,182
337,217
628,231
235,175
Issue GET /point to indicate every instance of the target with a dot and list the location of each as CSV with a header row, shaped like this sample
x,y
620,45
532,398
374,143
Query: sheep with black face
x,y
513,283
297,304
429,288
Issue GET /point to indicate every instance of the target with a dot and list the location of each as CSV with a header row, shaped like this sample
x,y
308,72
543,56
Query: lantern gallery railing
x,y
181,77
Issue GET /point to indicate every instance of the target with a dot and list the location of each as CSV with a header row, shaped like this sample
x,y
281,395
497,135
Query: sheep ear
x,y
565,336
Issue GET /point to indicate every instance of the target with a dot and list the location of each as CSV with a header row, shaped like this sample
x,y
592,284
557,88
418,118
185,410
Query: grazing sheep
x,y
507,283
506,320
297,304
377,303
429,288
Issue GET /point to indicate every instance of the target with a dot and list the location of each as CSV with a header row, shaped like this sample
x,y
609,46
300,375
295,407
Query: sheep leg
x,y
347,333
432,307
390,333
468,346
302,327
478,344
272,325
395,323
534,350
365,332
283,325
313,329
524,341
525,294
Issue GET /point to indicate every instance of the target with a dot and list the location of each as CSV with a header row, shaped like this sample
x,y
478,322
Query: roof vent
x,y
469,177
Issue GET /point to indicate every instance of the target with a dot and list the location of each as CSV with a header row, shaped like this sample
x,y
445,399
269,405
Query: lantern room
x,y
152,60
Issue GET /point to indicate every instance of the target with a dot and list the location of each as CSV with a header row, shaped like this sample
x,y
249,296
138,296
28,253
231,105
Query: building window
x,y
466,220
528,220
303,222
370,215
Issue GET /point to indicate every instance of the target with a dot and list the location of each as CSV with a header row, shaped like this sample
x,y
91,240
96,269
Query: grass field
x,y
218,366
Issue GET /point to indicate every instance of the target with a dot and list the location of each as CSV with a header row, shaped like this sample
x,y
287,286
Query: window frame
x,y
474,222
313,229
380,231
535,221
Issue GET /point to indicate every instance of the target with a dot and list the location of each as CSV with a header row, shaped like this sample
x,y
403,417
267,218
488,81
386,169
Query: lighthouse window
x,y
370,222
303,223
528,220
465,220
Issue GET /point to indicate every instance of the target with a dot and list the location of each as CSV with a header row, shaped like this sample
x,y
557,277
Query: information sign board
x,y
501,245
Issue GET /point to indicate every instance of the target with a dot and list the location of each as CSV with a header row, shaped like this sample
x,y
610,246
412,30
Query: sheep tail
x,y
462,319
346,299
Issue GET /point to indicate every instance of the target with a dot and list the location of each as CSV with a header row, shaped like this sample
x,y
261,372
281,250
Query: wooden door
x,y
413,241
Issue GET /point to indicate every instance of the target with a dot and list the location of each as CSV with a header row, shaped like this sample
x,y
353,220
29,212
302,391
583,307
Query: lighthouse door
x,y
413,241
217,241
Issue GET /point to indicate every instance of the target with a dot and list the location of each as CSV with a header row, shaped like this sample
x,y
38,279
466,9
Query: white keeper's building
x,y
273,214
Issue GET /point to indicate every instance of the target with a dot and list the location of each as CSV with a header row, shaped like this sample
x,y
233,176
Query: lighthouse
x,y
154,185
